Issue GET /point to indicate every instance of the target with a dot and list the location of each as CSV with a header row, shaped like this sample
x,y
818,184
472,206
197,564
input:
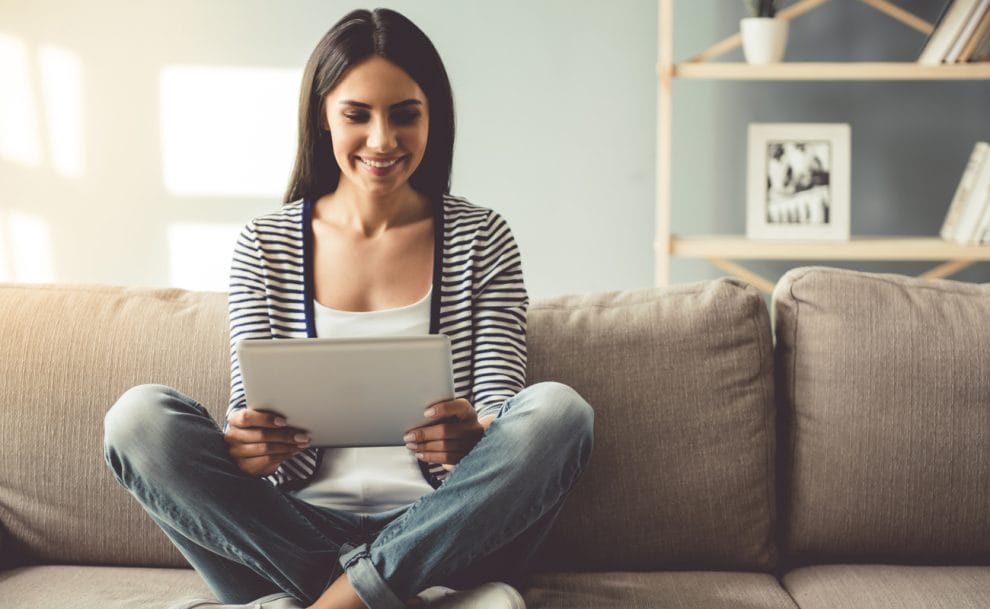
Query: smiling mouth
x,y
380,164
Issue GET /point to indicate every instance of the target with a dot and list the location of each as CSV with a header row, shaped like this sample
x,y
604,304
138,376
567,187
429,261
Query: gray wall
x,y
556,106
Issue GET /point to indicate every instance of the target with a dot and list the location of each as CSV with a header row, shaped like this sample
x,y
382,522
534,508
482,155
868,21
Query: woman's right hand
x,y
260,441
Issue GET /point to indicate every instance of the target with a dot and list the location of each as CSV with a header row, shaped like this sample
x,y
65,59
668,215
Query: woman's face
x,y
378,119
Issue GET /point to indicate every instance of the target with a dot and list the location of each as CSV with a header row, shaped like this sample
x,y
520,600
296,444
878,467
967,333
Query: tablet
x,y
348,391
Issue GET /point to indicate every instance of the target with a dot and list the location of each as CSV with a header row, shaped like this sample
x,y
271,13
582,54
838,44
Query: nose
x,y
381,136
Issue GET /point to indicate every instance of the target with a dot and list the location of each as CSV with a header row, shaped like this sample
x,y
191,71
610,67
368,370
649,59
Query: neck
x,y
371,215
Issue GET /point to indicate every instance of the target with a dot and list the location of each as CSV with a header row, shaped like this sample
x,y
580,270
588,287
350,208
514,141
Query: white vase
x,y
763,39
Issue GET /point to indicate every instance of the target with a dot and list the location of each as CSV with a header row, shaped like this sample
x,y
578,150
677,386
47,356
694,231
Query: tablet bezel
x,y
347,392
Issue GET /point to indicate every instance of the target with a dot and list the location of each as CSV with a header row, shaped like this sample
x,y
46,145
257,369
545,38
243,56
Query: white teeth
x,y
380,164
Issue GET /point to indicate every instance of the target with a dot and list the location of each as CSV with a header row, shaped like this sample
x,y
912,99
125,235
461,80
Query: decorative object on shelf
x,y
798,181
962,33
763,36
977,48
968,220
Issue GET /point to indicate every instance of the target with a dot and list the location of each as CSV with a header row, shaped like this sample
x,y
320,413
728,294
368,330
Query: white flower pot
x,y
763,39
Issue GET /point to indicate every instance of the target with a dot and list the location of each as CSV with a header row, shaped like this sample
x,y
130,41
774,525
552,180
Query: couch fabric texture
x,y
684,426
68,353
727,471
885,398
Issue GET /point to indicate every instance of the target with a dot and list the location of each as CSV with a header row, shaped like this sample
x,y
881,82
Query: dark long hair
x,y
355,38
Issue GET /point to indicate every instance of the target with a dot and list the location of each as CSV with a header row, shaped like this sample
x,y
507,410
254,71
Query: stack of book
x,y
962,34
968,219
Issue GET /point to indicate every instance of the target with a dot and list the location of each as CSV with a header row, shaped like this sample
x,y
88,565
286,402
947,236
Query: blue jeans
x,y
248,538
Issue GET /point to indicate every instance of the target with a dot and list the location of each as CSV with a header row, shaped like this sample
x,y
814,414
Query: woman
x,y
368,228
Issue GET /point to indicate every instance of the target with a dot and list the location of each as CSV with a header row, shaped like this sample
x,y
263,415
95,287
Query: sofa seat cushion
x,y
50,587
889,587
667,589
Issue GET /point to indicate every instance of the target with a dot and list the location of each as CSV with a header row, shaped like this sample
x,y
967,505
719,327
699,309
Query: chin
x,y
383,189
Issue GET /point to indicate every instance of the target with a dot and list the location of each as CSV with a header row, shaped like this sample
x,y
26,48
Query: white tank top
x,y
367,480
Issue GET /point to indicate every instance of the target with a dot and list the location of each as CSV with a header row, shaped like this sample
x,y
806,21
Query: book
x,y
976,203
983,230
950,22
981,32
981,152
981,52
969,27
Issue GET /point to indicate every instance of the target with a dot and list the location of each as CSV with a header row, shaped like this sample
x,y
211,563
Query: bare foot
x,y
340,595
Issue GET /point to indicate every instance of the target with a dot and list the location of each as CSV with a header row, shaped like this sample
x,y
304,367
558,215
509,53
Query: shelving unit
x,y
722,250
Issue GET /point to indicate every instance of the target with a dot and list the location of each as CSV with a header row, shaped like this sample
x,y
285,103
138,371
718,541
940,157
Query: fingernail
x,y
280,421
411,446
419,456
301,438
409,437
430,412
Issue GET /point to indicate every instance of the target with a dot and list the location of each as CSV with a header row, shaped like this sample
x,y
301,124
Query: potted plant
x,y
763,36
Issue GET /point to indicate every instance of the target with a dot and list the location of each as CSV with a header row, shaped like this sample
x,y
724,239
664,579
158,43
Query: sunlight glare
x,y
200,254
228,132
19,140
61,87
32,248
5,274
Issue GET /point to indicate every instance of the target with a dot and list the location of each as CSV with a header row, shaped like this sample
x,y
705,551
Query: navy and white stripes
x,y
479,300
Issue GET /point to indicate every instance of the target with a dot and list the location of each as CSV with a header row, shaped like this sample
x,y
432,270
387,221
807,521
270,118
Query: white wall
x,y
136,137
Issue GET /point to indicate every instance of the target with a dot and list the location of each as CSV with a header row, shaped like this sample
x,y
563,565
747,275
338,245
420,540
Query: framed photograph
x,y
798,181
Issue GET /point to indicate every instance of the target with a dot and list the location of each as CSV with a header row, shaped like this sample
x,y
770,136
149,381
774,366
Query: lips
x,y
380,162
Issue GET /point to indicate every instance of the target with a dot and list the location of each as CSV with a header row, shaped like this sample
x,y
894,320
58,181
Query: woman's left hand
x,y
454,433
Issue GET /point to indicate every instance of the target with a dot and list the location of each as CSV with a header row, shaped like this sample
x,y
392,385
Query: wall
x,y
136,137
555,130
910,140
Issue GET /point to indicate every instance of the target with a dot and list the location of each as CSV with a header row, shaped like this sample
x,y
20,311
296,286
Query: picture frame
x,y
798,181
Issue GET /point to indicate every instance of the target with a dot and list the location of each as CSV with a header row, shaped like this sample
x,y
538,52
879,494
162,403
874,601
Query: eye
x,y
356,117
405,118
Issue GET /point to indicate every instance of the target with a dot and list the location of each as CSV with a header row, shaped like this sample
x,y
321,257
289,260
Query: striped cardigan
x,y
478,300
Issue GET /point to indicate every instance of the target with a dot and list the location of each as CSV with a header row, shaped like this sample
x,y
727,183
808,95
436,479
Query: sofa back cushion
x,y
67,354
884,389
680,380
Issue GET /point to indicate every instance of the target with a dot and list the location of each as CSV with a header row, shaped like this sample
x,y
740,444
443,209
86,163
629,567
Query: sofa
x,y
836,457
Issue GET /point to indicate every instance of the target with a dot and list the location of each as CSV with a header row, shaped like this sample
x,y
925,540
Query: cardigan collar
x,y
309,290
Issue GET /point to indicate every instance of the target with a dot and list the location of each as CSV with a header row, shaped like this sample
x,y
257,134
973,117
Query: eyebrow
x,y
401,104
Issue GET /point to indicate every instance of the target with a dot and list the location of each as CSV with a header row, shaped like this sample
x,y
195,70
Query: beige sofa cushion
x,y
71,587
885,396
666,590
889,587
68,353
681,383
680,379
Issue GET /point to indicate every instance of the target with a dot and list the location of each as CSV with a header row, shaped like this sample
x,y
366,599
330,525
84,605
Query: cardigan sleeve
x,y
499,307
247,307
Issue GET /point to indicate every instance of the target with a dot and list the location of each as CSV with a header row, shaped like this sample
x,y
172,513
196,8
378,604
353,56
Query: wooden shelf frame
x,y
720,250
796,10
811,71
857,248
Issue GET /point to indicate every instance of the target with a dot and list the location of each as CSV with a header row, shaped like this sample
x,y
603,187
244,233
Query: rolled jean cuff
x,y
365,580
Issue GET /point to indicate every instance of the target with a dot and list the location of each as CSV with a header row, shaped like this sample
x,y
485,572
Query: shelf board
x,y
832,71
735,247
